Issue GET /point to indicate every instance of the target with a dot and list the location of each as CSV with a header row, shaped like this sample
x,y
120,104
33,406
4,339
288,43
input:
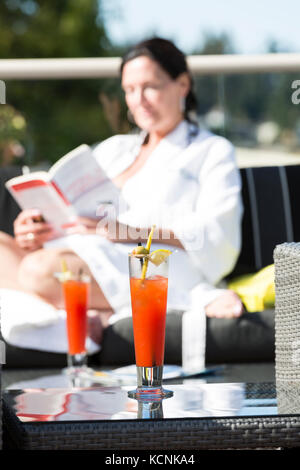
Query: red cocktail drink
x,y
76,302
149,306
149,291
76,297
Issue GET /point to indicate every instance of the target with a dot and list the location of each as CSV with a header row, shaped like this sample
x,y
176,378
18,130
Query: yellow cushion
x,y
257,291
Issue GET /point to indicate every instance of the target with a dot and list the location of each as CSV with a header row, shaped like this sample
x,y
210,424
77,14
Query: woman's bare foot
x,y
227,305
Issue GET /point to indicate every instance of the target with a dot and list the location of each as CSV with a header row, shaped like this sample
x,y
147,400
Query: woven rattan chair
x,y
287,312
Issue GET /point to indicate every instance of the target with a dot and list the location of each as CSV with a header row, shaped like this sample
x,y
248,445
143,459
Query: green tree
x,y
246,99
59,114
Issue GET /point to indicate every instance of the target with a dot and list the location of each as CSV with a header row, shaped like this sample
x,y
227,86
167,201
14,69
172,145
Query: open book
x,y
75,185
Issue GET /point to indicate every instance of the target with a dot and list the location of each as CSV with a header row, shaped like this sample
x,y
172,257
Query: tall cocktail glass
x,y
149,306
76,296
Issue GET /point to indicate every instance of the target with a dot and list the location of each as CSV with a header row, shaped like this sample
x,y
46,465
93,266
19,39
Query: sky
x,y
251,24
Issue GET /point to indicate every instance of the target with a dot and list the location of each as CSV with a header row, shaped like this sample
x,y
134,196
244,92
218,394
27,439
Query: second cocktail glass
x,y
149,306
76,295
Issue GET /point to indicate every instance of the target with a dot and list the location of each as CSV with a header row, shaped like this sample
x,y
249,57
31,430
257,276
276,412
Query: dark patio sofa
x,y
270,196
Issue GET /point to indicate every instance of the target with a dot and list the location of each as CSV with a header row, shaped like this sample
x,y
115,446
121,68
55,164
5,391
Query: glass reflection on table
x,y
190,400
150,409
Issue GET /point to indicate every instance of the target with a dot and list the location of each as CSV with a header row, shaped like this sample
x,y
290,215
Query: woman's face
x,y
153,98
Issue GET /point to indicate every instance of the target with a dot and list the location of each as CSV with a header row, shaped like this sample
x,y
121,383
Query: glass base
x,y
76,364
150,393
149,385
77,371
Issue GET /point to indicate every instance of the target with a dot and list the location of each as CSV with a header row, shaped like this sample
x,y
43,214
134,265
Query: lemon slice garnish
x,y
159,256
65,273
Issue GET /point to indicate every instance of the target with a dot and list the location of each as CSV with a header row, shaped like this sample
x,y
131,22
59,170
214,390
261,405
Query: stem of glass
x,y
76,362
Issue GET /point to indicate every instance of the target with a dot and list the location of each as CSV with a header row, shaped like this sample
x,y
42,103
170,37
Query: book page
x,y
84,183
42,195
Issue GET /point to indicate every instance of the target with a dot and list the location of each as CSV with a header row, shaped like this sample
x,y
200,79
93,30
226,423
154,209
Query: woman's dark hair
x,y
170,59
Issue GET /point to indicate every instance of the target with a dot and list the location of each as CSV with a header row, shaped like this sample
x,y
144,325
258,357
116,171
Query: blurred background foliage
x,y
58,114
45,119
250,109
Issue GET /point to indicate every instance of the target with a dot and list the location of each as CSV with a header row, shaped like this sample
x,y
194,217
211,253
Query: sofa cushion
x,y
270,197
249,338
21,358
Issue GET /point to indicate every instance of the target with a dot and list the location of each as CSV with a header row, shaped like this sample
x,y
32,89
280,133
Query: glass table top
x,y
191,399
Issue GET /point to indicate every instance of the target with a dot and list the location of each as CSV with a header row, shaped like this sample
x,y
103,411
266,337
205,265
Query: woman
x,y
172,174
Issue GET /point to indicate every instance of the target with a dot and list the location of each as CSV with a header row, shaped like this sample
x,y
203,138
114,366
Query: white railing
x,y
84,68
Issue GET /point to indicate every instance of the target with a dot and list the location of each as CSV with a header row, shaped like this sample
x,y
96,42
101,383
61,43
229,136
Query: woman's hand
x,y
31,231
227,305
